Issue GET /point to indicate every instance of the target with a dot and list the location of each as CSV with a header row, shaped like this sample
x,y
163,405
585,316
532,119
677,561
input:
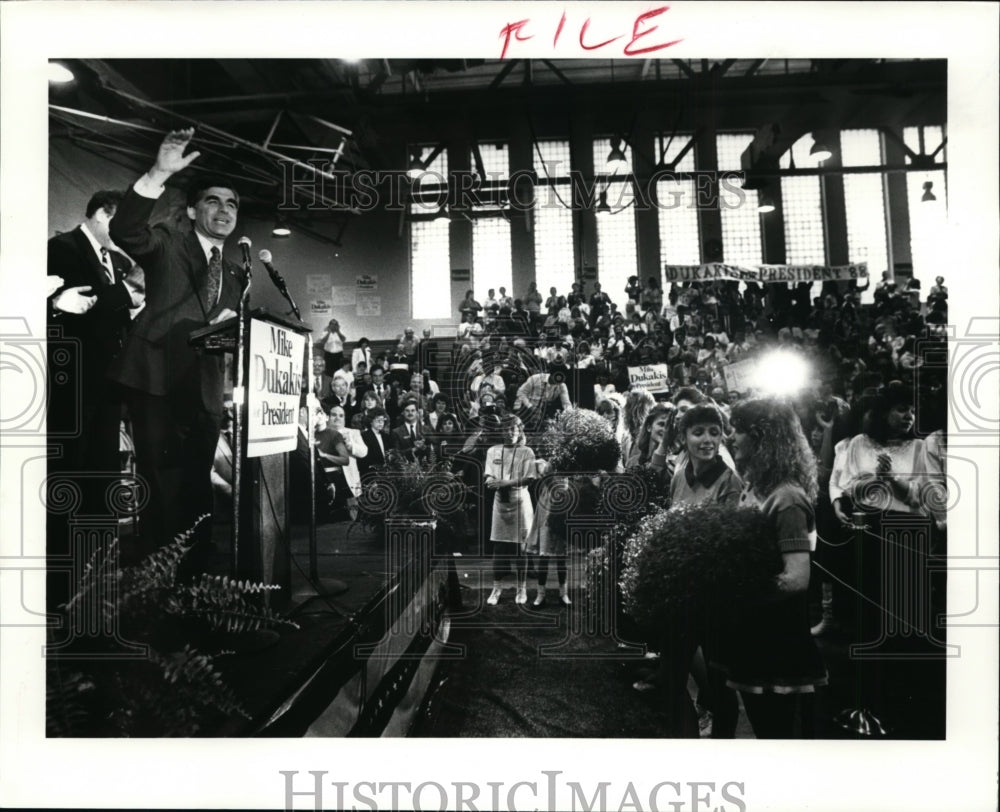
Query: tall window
x,y
928,217
617,258
430,253
491,254
430,269
678,214
864,201
741,239
553,216
802,202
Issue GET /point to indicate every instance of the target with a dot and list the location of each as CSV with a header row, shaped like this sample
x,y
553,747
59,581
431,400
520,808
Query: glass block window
x,y
553,218
928,219
430,269
677,212
551,161
802,203
495,161
491,254
741,233
617,257
864,202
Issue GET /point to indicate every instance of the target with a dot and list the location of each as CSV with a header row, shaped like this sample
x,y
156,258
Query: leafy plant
x,y
696,555
579,440
176,689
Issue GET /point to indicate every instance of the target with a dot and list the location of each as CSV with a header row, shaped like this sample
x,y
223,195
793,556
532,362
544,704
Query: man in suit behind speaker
x,y
91,309
175,392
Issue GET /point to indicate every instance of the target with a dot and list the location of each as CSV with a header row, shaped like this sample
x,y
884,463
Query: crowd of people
x,y
839,457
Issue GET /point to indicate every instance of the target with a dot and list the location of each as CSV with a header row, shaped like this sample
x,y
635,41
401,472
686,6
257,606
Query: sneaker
x,y
644,686
564,596
494,597
539,598
522,595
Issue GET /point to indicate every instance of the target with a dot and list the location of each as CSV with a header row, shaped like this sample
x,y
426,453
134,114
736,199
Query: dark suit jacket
x,y
158,358
375,458
98,334
400,440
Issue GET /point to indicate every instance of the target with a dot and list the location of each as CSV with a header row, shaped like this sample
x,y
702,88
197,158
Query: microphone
x,y
244,244
265,257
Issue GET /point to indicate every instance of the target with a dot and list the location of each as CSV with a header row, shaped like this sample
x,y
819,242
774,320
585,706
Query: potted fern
x,y
187,628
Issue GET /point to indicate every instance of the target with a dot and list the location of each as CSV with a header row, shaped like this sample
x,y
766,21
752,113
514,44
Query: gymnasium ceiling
x,y
251,113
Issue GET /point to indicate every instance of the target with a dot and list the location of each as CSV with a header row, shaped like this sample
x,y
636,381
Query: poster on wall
x,y
318,284
369,305
273,388
320,308
343,296
367,283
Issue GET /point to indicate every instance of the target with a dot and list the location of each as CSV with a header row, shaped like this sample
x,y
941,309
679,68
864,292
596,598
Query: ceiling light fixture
x,y
59,74
281,229
617,162
928,196
820,150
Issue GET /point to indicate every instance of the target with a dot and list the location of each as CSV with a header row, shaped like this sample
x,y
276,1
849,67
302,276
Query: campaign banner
x,y
274,385
765,274
739,376
652,377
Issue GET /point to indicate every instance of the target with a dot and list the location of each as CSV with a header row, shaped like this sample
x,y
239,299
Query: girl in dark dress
x,y
767,650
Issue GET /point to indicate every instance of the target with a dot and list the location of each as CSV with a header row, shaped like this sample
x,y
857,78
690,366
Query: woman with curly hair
x,y
768,653
638,402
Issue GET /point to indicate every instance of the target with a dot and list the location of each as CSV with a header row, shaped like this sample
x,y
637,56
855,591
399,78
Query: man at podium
x,y
175,392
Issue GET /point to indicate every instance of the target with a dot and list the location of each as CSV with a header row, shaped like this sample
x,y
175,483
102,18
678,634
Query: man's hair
x,y
205,182
107,199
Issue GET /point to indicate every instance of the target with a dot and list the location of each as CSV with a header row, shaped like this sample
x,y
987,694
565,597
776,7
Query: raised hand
x,y
171,158
74,300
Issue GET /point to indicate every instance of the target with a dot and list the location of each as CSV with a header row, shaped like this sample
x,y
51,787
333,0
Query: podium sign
x,y
274,386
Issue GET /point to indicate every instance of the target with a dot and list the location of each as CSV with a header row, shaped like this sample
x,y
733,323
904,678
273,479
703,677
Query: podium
x,y
268,353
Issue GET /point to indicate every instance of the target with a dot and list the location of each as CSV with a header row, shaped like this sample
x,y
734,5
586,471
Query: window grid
x,y
555,160
802,206
677,205
496,162
491,255
864,202
554,259
741,232
555,262
430,269
617,257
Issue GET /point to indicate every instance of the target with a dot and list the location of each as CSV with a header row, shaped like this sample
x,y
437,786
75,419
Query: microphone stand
x,y
239,413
